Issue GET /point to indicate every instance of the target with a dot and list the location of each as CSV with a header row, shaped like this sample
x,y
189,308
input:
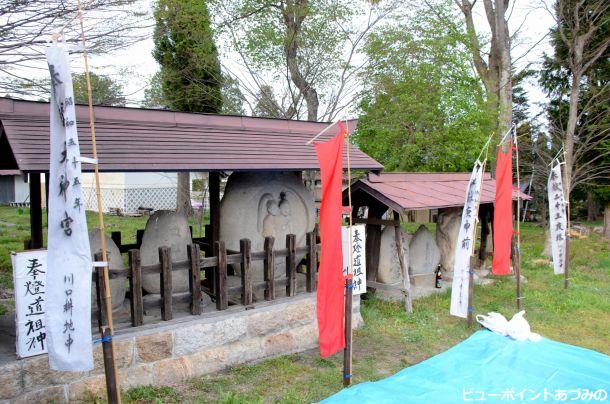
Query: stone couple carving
x,y
262,204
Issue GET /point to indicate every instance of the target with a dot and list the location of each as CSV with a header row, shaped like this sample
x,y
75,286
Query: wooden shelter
x,y
144,140
404,192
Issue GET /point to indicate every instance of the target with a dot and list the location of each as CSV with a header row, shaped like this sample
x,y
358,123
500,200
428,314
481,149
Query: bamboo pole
x,y
517,255
347,353
112,380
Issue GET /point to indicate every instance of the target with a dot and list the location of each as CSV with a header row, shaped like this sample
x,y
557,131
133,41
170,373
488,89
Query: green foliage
x,y
184,47
424,109
104,90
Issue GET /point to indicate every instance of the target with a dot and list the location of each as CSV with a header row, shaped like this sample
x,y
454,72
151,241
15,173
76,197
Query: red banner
x,y
330,274
503,213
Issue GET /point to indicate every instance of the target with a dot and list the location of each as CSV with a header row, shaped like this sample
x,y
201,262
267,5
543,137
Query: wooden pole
x,y
566,280
112,379
347,353
35,211
517,254
406,281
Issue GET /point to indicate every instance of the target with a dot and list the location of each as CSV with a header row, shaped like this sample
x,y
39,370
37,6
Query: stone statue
x,y
115,261
166,228
256,205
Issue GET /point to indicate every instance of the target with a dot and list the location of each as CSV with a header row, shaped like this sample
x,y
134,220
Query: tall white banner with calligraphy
x,y
465,241
558,218
68,311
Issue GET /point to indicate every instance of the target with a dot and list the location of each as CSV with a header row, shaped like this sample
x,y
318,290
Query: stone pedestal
x,y
166,228
257,205
115,261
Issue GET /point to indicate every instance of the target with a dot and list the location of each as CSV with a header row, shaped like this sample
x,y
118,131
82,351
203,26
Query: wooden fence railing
x,y
216,268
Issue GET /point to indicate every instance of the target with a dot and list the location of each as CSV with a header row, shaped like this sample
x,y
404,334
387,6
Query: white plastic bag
x,y
517,328
495,322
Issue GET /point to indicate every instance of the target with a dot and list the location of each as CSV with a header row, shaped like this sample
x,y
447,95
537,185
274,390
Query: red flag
x,y
330,274
503,213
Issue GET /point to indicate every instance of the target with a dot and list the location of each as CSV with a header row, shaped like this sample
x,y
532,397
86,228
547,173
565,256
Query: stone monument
x,y
115,261
389,266
166,228
447,231
261,204
424,257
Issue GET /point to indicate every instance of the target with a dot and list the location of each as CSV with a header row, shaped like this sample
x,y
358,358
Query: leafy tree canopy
x,y
423,108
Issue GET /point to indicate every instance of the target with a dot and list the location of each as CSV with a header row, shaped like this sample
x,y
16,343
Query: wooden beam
x,y
194,278
35,211
214,188
135,287
165,258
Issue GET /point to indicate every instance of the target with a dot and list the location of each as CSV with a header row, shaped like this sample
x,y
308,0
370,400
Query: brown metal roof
x,y
133,139
416,191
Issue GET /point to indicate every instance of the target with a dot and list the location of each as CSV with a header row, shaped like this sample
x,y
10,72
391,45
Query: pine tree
x,y
191,77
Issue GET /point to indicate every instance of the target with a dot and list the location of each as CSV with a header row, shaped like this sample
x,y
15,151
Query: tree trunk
x,y
294,14
183,194
607,221
592,206
570,130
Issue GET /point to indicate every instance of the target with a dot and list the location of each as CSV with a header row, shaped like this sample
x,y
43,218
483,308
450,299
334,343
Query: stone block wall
x,y
172,352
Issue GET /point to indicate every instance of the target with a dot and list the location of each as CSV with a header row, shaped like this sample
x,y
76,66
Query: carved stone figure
x,y
166,228
447,231
262,204
389,265
424,257
115,261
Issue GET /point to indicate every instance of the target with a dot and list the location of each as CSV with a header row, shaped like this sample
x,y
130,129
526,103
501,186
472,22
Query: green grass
x,y
391,339
11,237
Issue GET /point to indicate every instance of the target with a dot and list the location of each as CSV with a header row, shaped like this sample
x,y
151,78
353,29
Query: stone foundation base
x,y
172,352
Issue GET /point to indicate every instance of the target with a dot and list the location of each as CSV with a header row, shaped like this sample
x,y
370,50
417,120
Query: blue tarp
x,y
491,368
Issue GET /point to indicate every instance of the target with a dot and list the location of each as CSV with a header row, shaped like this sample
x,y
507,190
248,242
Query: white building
x,y
13,189
127,192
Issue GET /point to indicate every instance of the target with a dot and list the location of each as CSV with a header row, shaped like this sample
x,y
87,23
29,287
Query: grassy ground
x,y
15,227
391,339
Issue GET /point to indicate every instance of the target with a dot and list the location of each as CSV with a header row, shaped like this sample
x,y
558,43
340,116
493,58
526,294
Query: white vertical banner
x,y
465,243
29,278
358,246
68,312
558,218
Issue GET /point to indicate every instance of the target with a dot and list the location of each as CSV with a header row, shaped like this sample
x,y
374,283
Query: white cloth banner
x,y
68,315
29,276
558,219
358,256
465,241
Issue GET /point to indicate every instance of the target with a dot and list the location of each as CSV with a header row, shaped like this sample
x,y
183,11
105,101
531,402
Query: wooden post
x,y
139,236
135,287
312,263
406,281
214,186
116,237
269,270
222,293
165,259
46,194
35,211
194,278
347,352
517,268
291,270
99,294
470,314
245,247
